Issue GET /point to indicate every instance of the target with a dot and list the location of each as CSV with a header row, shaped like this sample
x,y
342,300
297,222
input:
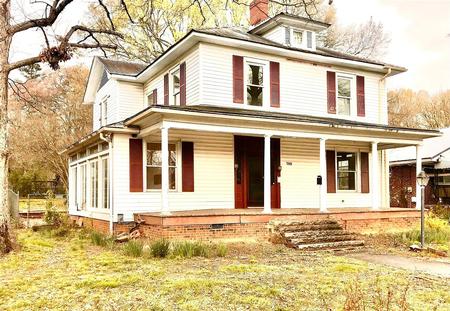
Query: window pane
x,y
94,184
105,183
154,178
255,75
346,180
150,100
154,154
346,161
309,39
344,106
343,87
298,37
176,82
254,95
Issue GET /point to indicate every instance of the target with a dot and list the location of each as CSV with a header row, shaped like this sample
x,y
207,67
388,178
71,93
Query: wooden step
x,y
313,233
322,239
329,245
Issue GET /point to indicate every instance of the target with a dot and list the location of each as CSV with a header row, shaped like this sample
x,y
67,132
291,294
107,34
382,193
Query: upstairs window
x,y
344,95
346,170
255,84
297,38
103,111
309,39
175,75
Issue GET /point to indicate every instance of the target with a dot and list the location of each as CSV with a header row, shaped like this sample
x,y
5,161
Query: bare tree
x,y
58,50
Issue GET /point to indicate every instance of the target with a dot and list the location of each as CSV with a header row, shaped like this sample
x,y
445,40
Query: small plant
x,y
133,248
52,216
221,250
160,248
98,239
188,249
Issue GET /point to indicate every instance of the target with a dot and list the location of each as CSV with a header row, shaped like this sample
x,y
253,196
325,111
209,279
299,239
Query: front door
x,y
249,172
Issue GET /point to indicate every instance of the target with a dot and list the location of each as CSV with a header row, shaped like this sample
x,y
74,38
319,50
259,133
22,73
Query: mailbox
x,y
319,180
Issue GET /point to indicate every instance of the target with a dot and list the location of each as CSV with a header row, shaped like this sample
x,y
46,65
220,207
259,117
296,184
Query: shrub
x,y
221,250
441,211
437,231
160,248
133,248
188,249
52,216
98,239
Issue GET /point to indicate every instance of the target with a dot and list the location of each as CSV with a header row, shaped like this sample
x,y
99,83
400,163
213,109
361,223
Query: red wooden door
x,y
275,172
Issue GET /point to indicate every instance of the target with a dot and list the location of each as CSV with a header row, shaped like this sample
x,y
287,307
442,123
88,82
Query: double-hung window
x,y
105,183
346,170
154,166
344,95
175,75
83,179
93,169
255,83
297,38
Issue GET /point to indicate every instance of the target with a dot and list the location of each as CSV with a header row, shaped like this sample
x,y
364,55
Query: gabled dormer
x,y
287,29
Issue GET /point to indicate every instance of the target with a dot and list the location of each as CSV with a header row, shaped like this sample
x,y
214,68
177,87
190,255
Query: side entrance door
x,y
249,171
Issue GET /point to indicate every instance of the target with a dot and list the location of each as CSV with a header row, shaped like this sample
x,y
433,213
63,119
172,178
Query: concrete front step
x,y
341,245
322,239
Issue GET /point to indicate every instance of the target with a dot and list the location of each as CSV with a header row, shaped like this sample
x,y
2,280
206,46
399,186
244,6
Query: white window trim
x,y
171,94
357,172
103,107
353,108
266,81
90,162
177,167
101,198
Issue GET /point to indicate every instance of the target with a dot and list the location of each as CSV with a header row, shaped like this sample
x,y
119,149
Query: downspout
x,y
108,139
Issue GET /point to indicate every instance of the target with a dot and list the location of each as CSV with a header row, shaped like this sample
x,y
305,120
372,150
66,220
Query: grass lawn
x,y
69,273
39,204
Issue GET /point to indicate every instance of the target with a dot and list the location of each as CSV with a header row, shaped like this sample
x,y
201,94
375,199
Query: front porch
x,y
253,224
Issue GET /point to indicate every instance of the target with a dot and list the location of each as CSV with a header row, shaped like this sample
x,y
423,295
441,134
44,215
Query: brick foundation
x,y
100,225
208,227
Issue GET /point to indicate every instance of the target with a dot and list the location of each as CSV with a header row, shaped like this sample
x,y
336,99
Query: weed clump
x,y
160,248
188,249
133,248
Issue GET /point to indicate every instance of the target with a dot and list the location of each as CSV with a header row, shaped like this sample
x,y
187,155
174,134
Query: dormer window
x,y
309,39
297,38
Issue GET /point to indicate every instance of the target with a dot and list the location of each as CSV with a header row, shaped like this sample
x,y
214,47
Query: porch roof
x,y
207,110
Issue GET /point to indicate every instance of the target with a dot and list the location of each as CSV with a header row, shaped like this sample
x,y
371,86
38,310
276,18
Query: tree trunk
x,y
5,42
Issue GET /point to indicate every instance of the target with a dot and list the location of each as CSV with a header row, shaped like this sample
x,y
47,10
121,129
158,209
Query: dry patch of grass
x,y
70,273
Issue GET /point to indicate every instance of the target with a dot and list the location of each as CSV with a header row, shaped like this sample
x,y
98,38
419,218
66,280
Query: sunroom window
x,y
346,170
255,84
154,166
344,95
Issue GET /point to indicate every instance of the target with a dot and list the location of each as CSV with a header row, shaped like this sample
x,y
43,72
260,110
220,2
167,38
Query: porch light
x,y
422,179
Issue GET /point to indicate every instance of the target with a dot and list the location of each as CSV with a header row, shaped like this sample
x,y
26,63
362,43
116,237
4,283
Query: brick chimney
x,y
259,11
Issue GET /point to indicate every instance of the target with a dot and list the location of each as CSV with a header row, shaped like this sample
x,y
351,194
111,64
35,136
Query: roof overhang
x,y
95,136
288,20
196,36
93,81
390,137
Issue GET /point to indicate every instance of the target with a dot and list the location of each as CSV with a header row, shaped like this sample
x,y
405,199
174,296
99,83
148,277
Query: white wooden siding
x,y
192,59
277,34
303,87
130,99
213,171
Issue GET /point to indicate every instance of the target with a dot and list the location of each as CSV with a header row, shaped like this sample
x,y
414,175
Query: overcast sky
x,y
419,31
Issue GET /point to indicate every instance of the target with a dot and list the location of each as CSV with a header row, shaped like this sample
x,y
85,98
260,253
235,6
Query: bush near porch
x,y
69,272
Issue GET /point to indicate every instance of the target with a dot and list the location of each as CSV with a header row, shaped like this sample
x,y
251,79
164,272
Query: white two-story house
x,y
227,119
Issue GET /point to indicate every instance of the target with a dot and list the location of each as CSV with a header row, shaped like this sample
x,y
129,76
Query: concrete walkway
x,y
432,267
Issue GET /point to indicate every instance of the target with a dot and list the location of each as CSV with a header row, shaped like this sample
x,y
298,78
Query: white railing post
x,y
165,171
323,173
375,179
267,181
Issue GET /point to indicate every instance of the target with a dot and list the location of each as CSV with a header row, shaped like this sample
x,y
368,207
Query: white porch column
x,y
375,184
267,195
418,170
165,171
323,172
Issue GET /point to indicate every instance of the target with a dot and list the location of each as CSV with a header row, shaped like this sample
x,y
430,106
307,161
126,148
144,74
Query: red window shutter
x,y
187,166
182,84
331,171
274,84
166,89
136,166
155,96
364,172
331,92
238,79
360,97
